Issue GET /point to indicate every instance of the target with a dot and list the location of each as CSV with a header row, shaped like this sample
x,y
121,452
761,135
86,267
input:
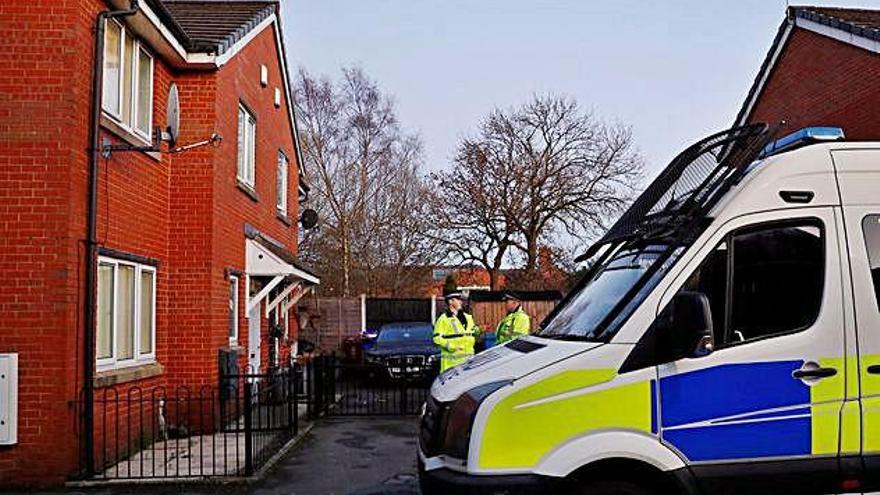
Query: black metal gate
x,y
340,389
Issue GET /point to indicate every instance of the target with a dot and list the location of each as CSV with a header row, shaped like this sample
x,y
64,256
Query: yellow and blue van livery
x,y
725,340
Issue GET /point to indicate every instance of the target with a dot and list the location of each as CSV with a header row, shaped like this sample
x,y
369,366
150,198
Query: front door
x,y
254,340
761,413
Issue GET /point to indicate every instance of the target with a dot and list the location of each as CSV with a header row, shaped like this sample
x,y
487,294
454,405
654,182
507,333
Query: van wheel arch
x,y
624,469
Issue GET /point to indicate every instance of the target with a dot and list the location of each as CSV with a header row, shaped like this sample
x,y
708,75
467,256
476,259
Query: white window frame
x,y
281,194
234,305
139,358
135,82
246,160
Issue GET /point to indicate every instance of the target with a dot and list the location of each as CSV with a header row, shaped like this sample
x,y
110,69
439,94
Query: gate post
x,y
290,376
318,385
248,432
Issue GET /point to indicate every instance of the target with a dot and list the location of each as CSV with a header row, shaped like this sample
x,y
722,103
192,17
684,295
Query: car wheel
x,y
613,488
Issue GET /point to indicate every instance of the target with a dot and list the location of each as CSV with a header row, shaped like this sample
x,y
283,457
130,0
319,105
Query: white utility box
x,y
8,399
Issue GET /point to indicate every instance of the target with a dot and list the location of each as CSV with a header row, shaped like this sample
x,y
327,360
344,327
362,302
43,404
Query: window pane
x,y
147,312
242,140
105,311
233,308
871,226
251,150
112,60
778,276
127,81
145,92
711,280
125,313
281,185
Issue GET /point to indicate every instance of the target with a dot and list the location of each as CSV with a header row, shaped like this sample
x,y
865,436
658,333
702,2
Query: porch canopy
x,y
269,261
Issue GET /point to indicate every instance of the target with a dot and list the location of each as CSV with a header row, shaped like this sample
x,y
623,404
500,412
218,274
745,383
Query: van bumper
x,y
446,481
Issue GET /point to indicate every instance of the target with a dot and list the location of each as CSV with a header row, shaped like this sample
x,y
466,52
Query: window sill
x,y
247,190
284,218
128,136
109,378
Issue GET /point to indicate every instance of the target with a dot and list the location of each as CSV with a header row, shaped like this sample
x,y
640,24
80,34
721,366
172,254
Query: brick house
x,y
194,251
820,71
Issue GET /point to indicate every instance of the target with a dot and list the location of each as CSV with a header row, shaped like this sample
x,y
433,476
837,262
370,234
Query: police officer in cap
x,y
515,323
454,332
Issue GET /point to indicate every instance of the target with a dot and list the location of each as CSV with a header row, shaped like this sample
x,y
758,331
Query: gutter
x,y
89,330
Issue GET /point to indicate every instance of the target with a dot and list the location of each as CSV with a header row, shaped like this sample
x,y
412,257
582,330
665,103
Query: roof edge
x,y
805,17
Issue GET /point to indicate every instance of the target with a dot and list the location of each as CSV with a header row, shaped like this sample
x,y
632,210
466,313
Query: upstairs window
x,y
126,333
128,81
247,139
871,225
281,186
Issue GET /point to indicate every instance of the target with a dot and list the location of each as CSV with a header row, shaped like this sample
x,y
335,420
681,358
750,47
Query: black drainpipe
x,y
92,235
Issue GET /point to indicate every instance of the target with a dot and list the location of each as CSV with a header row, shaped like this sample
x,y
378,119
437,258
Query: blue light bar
x,y
805,136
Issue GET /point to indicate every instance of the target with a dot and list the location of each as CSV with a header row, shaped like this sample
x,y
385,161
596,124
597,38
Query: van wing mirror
x,y
688,325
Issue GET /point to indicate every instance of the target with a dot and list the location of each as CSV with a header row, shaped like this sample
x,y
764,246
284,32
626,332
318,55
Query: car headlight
x,y
371,359
461,418
433,358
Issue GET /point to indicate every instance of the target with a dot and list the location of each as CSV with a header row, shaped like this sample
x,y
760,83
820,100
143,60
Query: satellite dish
x,y
172,132
308,219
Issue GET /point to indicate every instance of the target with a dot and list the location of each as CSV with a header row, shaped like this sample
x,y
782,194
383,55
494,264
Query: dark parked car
x,y
405,351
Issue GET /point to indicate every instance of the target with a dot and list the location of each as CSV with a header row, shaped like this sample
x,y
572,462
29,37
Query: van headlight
x,y
460,419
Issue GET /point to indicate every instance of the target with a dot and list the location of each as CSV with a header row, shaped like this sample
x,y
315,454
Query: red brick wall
x,y
821,81
239,80
181,210
43,100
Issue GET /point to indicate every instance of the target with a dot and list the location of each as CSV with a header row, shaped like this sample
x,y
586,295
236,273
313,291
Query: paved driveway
x,y
349,457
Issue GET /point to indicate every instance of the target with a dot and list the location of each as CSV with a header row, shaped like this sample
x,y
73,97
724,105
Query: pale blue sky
x,y
673,70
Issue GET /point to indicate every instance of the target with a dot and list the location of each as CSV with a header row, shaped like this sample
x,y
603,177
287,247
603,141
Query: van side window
x,y
778,275
871,226
763,281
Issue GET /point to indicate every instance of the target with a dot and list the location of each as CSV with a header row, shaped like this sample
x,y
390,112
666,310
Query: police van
x,y
725,340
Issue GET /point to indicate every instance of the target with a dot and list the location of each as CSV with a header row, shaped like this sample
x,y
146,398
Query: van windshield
x,y
595,312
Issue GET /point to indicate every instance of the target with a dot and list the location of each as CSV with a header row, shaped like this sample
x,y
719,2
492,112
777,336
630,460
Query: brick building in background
x,y
821,71
195,250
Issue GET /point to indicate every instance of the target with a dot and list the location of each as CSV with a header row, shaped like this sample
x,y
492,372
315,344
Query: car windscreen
x,y
412,333
599,307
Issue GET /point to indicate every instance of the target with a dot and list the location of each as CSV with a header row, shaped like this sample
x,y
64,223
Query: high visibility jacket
x,y
514,325
456,341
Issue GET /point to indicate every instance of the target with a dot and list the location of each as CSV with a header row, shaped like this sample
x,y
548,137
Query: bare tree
x,y
468,211
365,173
533,173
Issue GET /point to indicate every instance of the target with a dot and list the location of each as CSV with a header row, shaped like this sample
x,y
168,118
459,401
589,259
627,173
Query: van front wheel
x,y
613,488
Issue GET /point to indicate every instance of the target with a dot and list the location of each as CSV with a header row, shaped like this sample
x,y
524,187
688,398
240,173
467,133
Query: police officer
x,y
454,332
516,323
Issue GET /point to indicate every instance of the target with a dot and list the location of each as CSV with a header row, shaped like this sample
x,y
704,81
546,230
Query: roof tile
x,y
216,25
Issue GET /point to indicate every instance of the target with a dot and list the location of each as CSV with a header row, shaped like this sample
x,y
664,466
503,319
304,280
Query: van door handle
x,y
874,369
814,373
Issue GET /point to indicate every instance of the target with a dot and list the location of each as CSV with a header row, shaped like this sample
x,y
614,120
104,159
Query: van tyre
x,y
613,488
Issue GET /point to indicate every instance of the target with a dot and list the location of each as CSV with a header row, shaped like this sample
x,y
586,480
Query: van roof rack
x,y
689,187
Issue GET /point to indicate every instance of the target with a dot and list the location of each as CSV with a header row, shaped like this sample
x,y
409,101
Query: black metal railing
x,y
227,430
232,429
